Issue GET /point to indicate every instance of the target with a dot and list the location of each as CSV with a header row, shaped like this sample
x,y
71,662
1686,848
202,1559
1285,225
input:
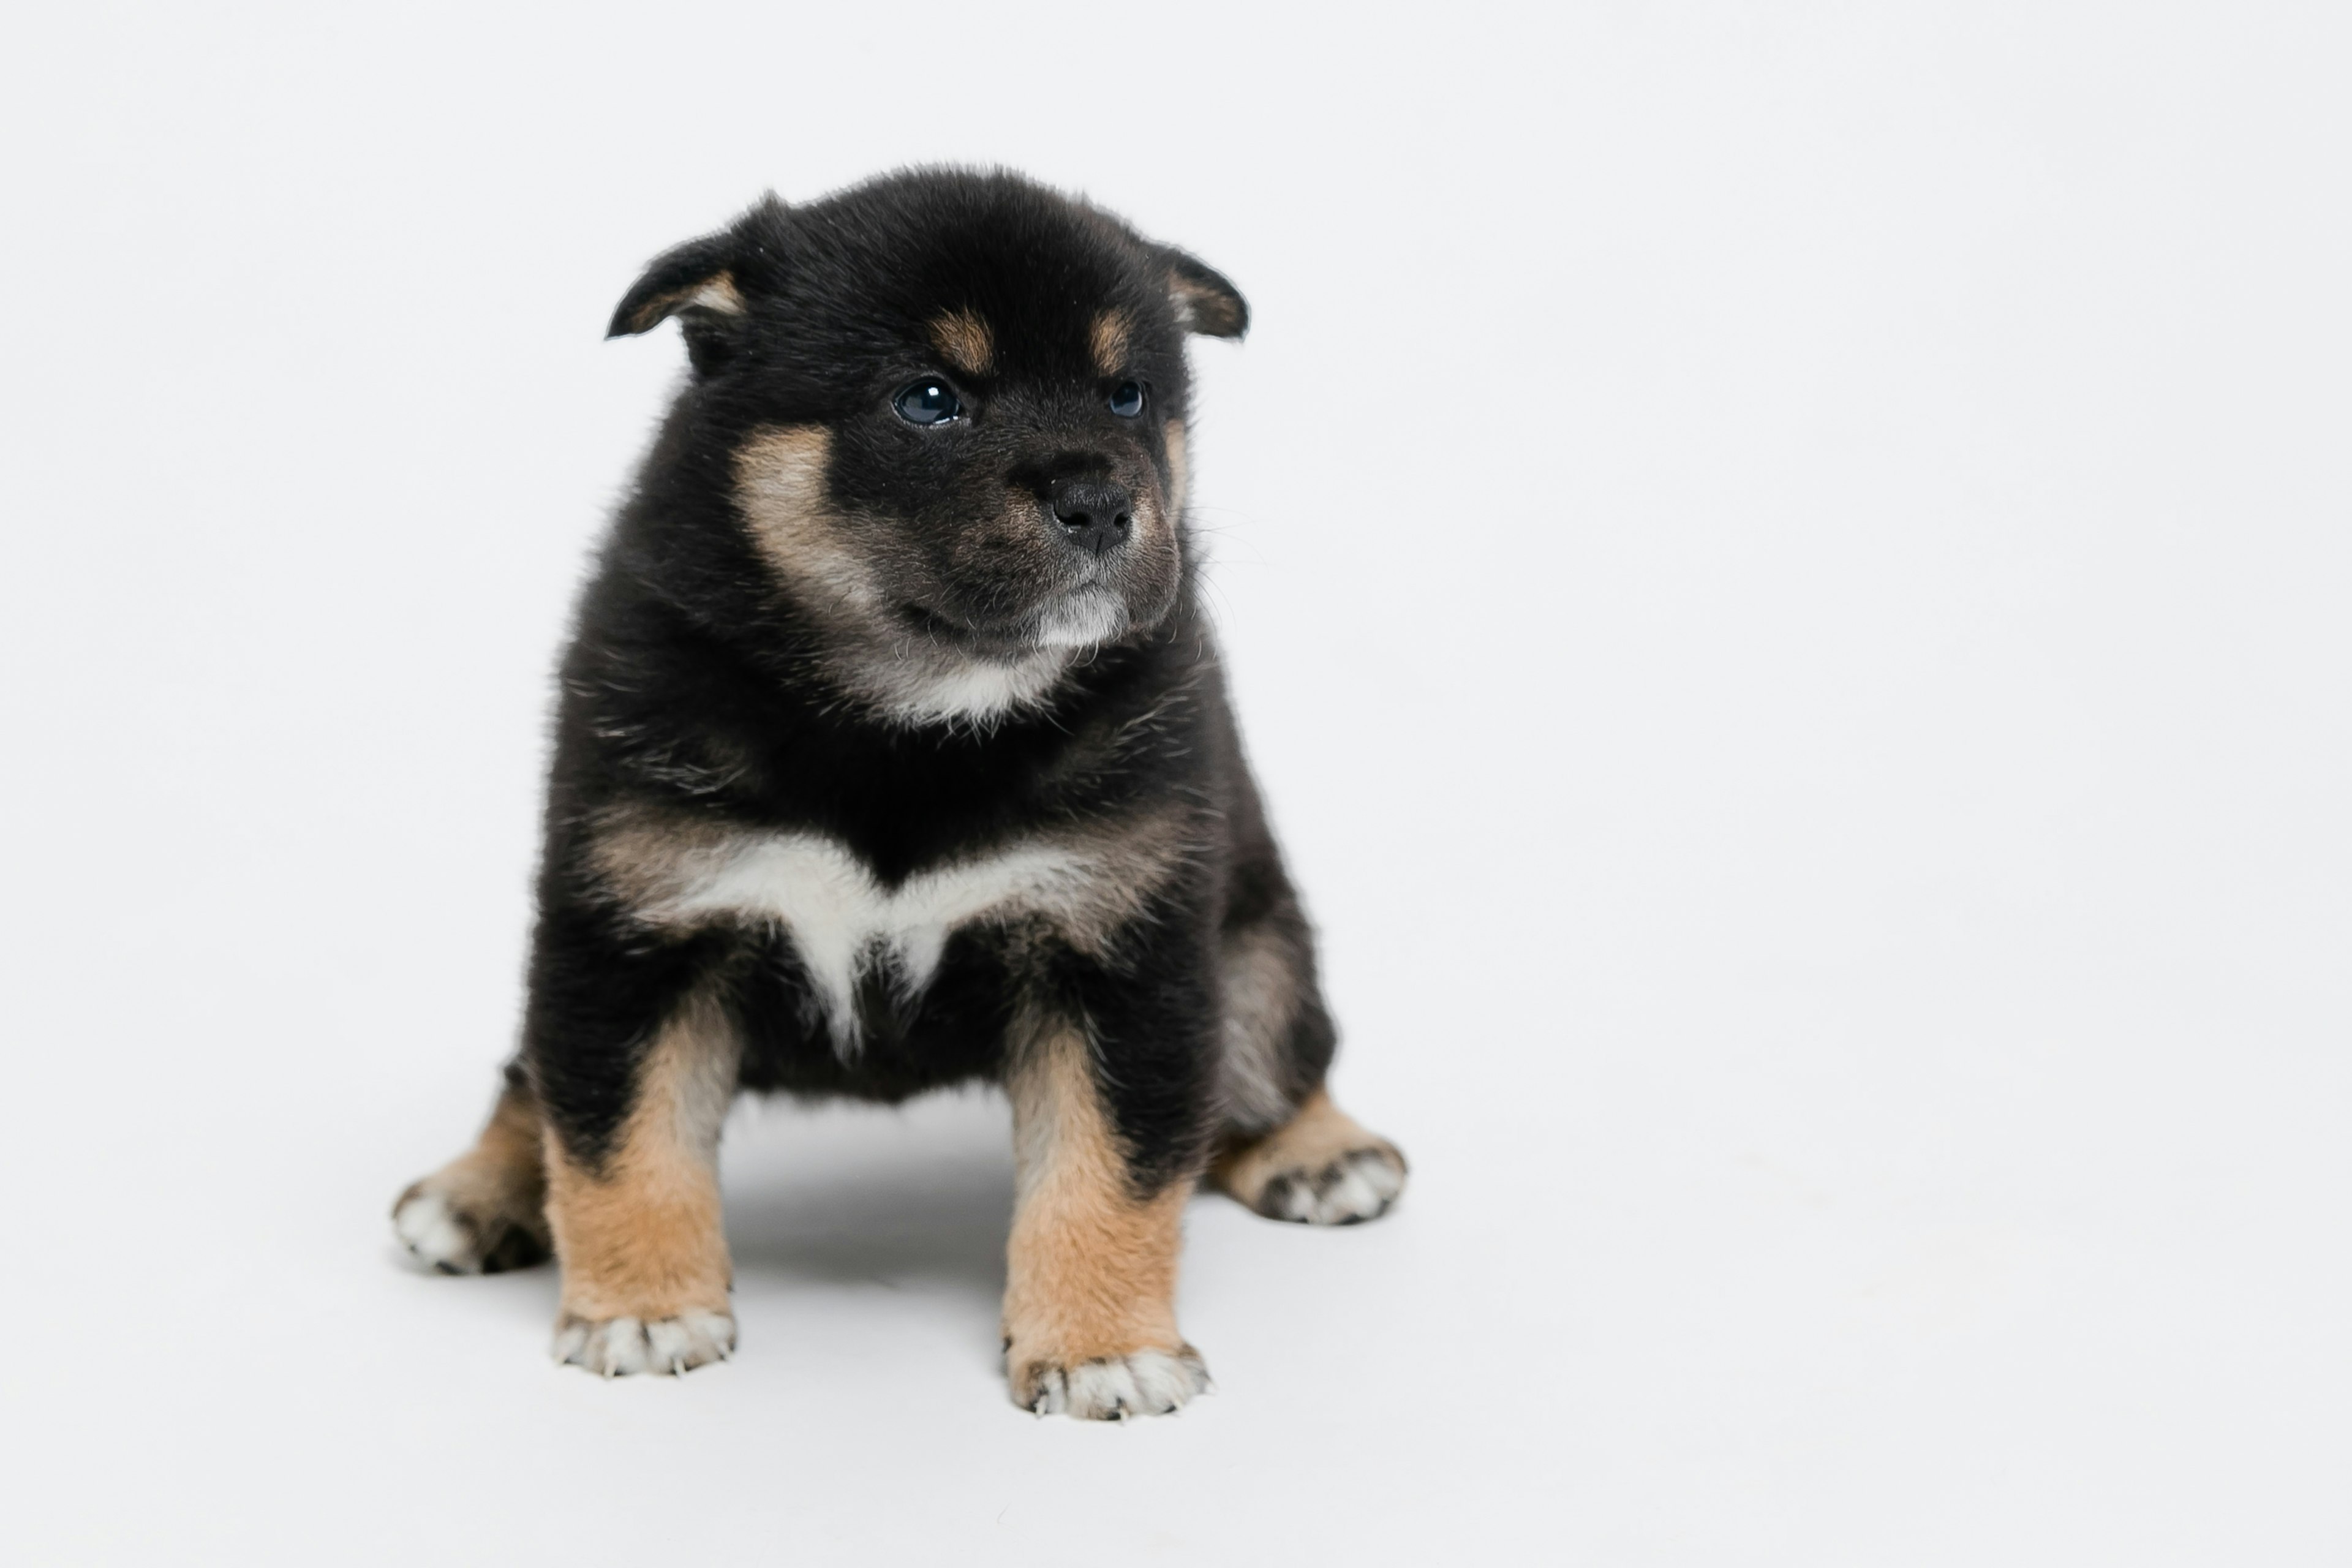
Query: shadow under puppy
x,y
892,753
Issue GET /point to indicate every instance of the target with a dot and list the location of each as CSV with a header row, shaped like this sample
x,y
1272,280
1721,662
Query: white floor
x,y
1753,1278
1786,570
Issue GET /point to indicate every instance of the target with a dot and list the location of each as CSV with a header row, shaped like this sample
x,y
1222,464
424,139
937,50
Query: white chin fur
x,y
932,686
1088,616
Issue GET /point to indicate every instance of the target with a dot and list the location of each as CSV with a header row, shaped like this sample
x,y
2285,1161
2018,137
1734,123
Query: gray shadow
x,y
898,1199
918,1198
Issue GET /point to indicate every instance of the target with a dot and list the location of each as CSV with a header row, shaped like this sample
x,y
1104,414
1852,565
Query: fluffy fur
x,y
893,752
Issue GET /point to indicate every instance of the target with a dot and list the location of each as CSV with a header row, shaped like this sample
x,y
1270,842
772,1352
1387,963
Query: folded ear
x,y
1205,299
694,278
704,283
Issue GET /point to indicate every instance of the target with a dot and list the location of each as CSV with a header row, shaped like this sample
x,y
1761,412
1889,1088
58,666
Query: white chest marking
x,y
842,920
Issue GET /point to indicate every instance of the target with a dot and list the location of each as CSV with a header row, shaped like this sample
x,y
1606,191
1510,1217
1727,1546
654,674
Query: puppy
x,y
892,753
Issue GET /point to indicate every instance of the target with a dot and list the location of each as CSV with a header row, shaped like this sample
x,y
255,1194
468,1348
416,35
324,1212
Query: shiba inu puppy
x,y
892,753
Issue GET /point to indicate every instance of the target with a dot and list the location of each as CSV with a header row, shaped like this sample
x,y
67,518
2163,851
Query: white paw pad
x,y
1359,1185
617,1346
1144,1383
449,1236
428,1228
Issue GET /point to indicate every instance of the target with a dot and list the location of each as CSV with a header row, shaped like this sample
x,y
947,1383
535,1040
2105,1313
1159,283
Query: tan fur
x,y
966,341
835,569
1318,1137
1109,341
643,853
1260,968
653,860
1179,474
1200,308
717,292
503,1178
640,1238
1091,1269
780,484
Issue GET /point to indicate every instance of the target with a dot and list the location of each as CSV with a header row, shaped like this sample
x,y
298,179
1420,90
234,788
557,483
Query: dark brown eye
x,y
928,403
1128,401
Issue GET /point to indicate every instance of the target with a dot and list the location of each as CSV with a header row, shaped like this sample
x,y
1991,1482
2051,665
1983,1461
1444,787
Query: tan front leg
x,y
646,1273
1090,1297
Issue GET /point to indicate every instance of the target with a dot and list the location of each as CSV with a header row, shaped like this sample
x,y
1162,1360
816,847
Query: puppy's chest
x,y
848,925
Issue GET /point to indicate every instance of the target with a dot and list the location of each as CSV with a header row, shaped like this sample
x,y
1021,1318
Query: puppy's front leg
x,y
1089,1303
636,1220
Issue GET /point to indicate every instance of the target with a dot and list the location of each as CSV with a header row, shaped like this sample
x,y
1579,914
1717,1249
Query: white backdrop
x,y
1786,568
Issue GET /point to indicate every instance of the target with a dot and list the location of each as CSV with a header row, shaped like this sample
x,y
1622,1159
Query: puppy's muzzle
x,y
1096,515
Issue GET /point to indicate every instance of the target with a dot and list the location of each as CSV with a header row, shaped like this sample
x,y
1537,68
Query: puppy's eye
x,y
1128,401
928,403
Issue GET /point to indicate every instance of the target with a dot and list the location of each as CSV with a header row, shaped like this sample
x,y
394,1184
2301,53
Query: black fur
x,y
700,684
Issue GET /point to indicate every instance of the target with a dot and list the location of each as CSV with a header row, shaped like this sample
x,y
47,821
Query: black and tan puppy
x,y
893,752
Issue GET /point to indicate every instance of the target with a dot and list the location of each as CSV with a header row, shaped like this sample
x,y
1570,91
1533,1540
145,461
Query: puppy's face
x,y
954,409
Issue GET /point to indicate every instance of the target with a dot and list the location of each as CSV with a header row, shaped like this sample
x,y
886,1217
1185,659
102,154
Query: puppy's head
x,y
952,409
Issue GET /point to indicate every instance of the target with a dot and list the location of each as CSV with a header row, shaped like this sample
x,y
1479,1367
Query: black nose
x,y
1095,514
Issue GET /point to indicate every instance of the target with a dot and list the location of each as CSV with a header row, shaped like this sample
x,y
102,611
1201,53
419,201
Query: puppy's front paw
x,y
611,1347
1110,1388
1353,1187
459,1232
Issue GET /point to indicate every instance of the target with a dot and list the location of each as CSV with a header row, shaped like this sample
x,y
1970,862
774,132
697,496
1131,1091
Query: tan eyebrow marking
x,y
1109,341
966,341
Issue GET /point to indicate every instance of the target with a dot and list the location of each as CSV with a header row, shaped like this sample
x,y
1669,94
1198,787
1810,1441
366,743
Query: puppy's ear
x,y
703,283
695,277
1205,299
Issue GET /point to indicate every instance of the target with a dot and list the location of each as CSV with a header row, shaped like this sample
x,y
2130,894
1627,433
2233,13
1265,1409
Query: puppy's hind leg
x,y
1287,1152
1318,1168
485,1211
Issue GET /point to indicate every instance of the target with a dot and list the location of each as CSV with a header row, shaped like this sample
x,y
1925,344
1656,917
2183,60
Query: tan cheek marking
x,y
965,340
1091,1271
1108,342
780,486
641,1239
1180,474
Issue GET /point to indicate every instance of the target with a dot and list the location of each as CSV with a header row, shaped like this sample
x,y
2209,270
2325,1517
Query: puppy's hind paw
x,y
1321,1168
446,1232
1357,1186
615,1347
1112,1388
